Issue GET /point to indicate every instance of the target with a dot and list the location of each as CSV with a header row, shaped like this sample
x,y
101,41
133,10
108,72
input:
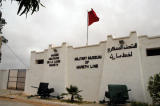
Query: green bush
x,y
138,104
154,88
73,91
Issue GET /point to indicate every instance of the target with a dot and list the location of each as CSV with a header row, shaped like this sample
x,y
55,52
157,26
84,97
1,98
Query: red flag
x,y
92,17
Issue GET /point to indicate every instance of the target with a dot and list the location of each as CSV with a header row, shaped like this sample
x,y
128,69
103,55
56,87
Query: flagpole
x,y
87,29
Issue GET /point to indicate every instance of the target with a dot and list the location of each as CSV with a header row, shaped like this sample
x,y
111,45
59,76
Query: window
x,y
40,61
153,51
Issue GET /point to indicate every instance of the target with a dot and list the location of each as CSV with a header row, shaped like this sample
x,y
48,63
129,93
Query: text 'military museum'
x,y
128,60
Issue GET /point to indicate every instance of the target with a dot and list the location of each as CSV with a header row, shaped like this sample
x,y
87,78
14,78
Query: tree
x,y
26,6
2,22
73,91
154,88
2,40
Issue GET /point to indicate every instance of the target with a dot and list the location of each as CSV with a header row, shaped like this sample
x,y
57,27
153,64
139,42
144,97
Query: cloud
x,y
65,21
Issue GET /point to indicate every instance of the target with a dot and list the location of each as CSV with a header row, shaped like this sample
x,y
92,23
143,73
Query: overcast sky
x,y
66,21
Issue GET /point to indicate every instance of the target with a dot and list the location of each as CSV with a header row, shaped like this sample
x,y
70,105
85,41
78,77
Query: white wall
x,y
150,64
86,79
124,70
132,71
35,74
3,79
54,75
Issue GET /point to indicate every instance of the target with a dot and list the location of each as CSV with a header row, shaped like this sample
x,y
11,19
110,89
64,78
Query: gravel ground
x,y
15,102
15,98
12,103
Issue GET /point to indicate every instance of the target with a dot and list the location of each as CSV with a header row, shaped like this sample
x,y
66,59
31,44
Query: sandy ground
x,y
5,101
17,98
12,103
19,102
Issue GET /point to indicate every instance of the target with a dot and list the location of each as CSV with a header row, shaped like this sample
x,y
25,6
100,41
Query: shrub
x,y
154,88
138,104
73,91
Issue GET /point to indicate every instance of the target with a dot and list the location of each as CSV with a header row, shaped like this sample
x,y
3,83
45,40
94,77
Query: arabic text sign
x,y
121,55
122,47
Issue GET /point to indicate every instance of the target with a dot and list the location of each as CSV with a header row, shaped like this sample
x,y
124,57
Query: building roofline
x,y
149,37
132,33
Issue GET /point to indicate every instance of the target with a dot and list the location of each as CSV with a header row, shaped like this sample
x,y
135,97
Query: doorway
x,y
16,79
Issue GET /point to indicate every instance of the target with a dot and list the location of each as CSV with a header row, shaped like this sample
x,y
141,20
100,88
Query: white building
x,y
129,60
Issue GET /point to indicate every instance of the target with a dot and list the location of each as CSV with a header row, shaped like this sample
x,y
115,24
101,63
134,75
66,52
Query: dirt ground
x,y
16,98
32,103
35,102
12,103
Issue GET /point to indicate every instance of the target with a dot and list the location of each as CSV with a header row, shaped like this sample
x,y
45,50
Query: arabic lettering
x,y
129,54
122,47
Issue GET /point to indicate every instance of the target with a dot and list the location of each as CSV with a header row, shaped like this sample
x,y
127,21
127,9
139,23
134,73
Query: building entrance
x,y
16,79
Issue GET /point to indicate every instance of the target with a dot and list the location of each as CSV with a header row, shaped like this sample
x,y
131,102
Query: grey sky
x,y
66,20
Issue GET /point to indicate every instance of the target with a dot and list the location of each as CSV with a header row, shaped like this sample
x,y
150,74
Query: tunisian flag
x,y
92,17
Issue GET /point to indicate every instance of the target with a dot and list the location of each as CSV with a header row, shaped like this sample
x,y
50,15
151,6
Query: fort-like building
x,y
128,60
